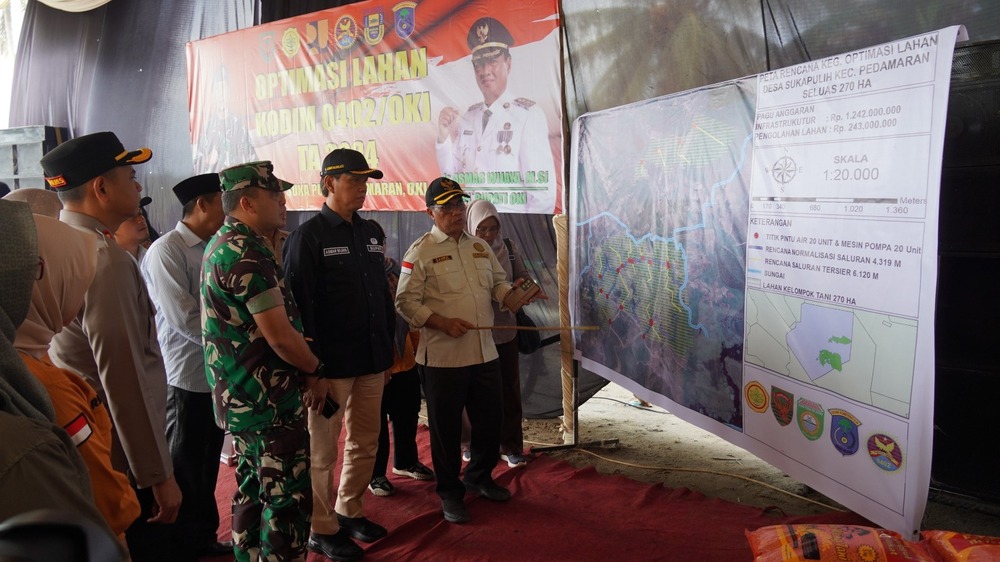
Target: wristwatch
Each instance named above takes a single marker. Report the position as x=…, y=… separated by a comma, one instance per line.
x=318, y=371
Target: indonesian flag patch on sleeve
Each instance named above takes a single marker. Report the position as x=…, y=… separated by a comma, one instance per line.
x=79, y=430
x=406, y=268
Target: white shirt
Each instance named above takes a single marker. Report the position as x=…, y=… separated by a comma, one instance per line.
x=172, y=269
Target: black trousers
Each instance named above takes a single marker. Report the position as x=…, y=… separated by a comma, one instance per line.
x=195, y=445
x=149, y=542
x=401, y=405
x=448, y=390
x=511, y=432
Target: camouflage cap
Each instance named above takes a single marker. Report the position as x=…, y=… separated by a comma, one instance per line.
x=252, y=174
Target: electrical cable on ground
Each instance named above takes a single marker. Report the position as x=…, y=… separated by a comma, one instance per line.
x=672, y=469
x=694, y=470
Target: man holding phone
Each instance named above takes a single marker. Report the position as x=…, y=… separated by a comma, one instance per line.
x=335, y=270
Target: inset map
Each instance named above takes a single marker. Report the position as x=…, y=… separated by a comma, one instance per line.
x=860, y=355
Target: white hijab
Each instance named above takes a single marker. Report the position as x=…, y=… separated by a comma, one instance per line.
x=70, y=264
x=478, y=211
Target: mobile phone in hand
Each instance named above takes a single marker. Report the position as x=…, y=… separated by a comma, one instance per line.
x=330, y=407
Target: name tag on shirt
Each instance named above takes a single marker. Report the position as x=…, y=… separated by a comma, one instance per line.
x=375, y=248
x=336, y=251
x=440, y=259
x=483, y=255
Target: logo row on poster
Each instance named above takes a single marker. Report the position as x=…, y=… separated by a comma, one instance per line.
x=885, y=451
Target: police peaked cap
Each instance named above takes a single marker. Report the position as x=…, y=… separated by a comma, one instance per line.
x=81, y=159
x=488, y=38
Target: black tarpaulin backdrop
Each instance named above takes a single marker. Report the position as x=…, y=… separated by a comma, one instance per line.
x=121, y=67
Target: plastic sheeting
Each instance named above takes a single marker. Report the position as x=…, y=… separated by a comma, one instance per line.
x=121, y=67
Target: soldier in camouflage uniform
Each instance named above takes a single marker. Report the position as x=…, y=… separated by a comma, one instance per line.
x=260, y=368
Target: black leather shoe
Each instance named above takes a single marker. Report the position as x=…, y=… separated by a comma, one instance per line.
x=489, y=490
x=216, y=549
x=337, y=547
x=454, y=511
x=361, y=528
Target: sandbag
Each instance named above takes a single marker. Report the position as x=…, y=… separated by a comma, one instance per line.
x=950, y=546
x=833, y=543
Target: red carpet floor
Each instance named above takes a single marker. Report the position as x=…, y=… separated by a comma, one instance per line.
x=557, y=513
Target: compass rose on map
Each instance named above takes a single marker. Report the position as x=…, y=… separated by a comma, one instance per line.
x=784, y=170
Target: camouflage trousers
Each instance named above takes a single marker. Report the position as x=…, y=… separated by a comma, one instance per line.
x=273, y=500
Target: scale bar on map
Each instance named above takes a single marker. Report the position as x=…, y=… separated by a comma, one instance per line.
x=883, y=200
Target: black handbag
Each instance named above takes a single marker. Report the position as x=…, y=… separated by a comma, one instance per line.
x=528, y=341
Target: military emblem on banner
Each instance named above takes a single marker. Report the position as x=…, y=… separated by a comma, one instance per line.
x=844, y=431
x=783, y=405
x=265, y=46
x=290, y=42
x=317, y=36
x=405, y=14
x=345, y=33
x=885, y=452
x=756, y=397
x=374, y=27
x=810, y=418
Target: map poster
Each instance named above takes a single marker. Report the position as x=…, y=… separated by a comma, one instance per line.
x=760, y=257
x=468, y=89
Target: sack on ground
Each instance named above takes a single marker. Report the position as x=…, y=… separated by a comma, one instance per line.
x=833, y=543
x=528, y=341
x=961, y=547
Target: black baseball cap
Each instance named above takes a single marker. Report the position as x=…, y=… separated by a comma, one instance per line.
x=78, y=160
x=345, y=160
x=442, y=190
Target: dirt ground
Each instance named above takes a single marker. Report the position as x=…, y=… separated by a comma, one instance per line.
x=656, y=446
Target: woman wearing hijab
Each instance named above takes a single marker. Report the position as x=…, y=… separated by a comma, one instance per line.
x=39, y=469
x=67, y=265
x=483, y=221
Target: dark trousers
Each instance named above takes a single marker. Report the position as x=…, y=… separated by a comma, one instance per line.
x=195, y=445
x=149, y=542
x=511, y=432
x=401, y=405
x=448, y=390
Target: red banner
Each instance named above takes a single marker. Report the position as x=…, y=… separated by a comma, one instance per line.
x=469, y=90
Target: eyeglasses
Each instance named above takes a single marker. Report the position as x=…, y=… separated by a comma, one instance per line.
x=457, y=207
x=490, y=230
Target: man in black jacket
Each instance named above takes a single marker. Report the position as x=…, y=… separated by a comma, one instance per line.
x=335, y=269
